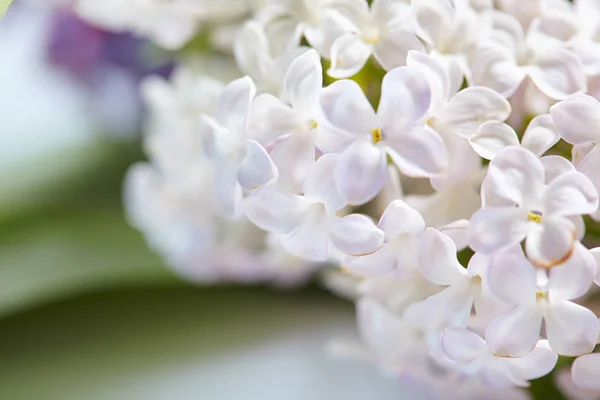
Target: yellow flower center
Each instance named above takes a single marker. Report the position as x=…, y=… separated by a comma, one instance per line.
x=313, y=124
x=376, y=135
x=535, y=216
x=541, y=295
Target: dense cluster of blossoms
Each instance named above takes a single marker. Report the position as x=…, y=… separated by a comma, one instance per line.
x=389, y=137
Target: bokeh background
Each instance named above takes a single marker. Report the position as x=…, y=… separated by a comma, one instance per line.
x=87, y=311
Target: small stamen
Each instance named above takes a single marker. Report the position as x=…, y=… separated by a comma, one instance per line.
x=313, y=124
x=376, y=135
x=535, y=216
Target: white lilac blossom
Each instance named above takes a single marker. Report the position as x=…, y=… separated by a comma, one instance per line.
x=364, y=138
x=509, y=56
x=382, y=30
x=478, y=275
x=520, y=206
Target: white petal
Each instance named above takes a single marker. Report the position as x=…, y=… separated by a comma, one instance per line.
x=572, y=279
x=540, y=135
x=355, y=234
x=348, y=56
x=270, y=118
x=590, y=167
x=437, y=258
x=320, y=184
x=450, y=307
x=393, y=48
x=405, y=98
x=310, y=240
x=251, y=49
x=585, y=371
x=434, y=19
x=491, y=137
x=511, y=278
x=576, y=119
x=274, y=210
x=462, y=345
x=346, y=107
x=493, y=228
x=418, y=152
x=234, y=104
x=555, y=166
x=571, y=193
x=496, y=68
x=515, y=334
x=227, y=190
x=379, y=263
x=516, y=175
x=572, y=329
x=550, y=243
x=303, y=81
x=558, y=73
x=294, y=157
x=435, y=73
x=466, y=110
x=458, y=231
x=361, y=172
x=399, y=218
x=379, y=328
x=596, y=253
x=541, y=361
x=256, y=169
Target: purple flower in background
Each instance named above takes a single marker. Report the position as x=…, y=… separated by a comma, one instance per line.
x=108, y=65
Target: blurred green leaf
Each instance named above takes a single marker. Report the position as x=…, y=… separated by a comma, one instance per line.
x=63, y=254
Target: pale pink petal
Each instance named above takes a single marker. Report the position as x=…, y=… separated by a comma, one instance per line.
x=294, y=157
x=572, y=279
x=392, y=49
x=540, y=362
x=274, y=210
x=495, y=67
x=515, y=334
x=256, y=169
x=585, y=371
x=550, y=243
x=576, y=119
x=462, y=345
x=558, y=73
x=379, y=263
x=399, y=218
x=418, y=152
x=555, y=166
x=458, y=231
x=571, y=193
x=511, y=278
x=310, y=240
x=405, y=98
x=303, y=81
x=465, y=111
x=516, y=174
x=234, y=104
x=493, y=228
x=540, y=135
x=349, y=55
x=437, y=258
x=320, y=184
x=345, y=107
x=572, y=329
x=435, y=73
x=491, y=137
x=270, y=118
x=355, y=234
x=361, y=172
